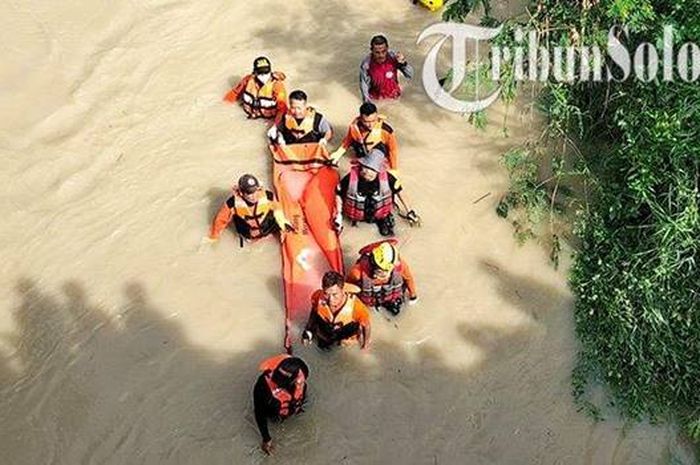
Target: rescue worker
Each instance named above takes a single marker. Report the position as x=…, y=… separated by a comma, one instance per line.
x=383, y=277
x=279, y=392
x=379, y=71
x=368, y=193
x=370, y=131
x=254, y=212
x=337, y=315
x=262, y=93
x=301, y=124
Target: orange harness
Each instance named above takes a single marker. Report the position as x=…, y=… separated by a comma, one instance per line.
x=290, y=403
x=255, y=214
x=261, y=100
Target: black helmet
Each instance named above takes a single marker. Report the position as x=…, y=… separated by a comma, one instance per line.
x=262, y=65
x=248, y=184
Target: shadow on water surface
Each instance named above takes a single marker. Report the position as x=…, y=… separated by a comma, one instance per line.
x=127, y=387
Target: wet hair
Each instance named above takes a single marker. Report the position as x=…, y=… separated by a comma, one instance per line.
x=378, y=40
x=332, y=278
x=368, y=108
x=298, y=95
x=292, y=366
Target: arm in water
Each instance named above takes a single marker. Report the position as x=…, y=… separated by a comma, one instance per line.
x=261, y=403
x=409, y=214
x=233, y=94
x=284, y=224
x=409, y=281
x=222, y=220
x=326, y=129
x=361, y=315
x=344, y=145
x=365, y=80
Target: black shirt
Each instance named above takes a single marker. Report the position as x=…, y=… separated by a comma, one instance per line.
x=266, y=405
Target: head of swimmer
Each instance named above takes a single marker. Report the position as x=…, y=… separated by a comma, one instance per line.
x=332, y=285
x=368, y=115
x=286, y=373
x=297, y=104
x=379, y=48
x=368, y=174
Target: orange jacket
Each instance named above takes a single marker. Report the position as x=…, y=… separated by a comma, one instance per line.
x=355, y=276
x=253, y=215
x=267, y=101
x=353, y=310
x=381, y=136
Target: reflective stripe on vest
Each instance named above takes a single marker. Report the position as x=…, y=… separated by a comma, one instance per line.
x=260, y=100
x=354, y=202
x=303, y=157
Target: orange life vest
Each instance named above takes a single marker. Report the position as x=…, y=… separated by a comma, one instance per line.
x=290, y=403
x=345, y=316
x=306, y=131
x=364, y=141
x=261, y=100
x=342, y=318
x=254, y=215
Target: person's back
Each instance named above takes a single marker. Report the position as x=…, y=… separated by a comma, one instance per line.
x=279, y=392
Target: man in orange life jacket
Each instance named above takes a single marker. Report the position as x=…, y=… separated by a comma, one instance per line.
x=367, y=194
x=279, y=392
x=379, y=77
x=262, y=93
x=370, y=131
x=337, y=315
x=254, y=212
x=383, y=277
x=301, y=124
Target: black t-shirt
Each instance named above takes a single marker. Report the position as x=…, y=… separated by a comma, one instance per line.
x=368, y=188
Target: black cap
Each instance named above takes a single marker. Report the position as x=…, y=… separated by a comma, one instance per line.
x=248, y=184
x=262, y=65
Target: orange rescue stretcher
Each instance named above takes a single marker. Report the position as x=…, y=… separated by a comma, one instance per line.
x=305, y=185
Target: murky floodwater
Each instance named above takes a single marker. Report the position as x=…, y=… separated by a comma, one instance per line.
x=123, y=341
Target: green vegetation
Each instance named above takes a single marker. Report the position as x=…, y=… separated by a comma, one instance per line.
x=629, y=151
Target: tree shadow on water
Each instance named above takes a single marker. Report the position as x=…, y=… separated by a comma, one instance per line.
x=125, y=386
